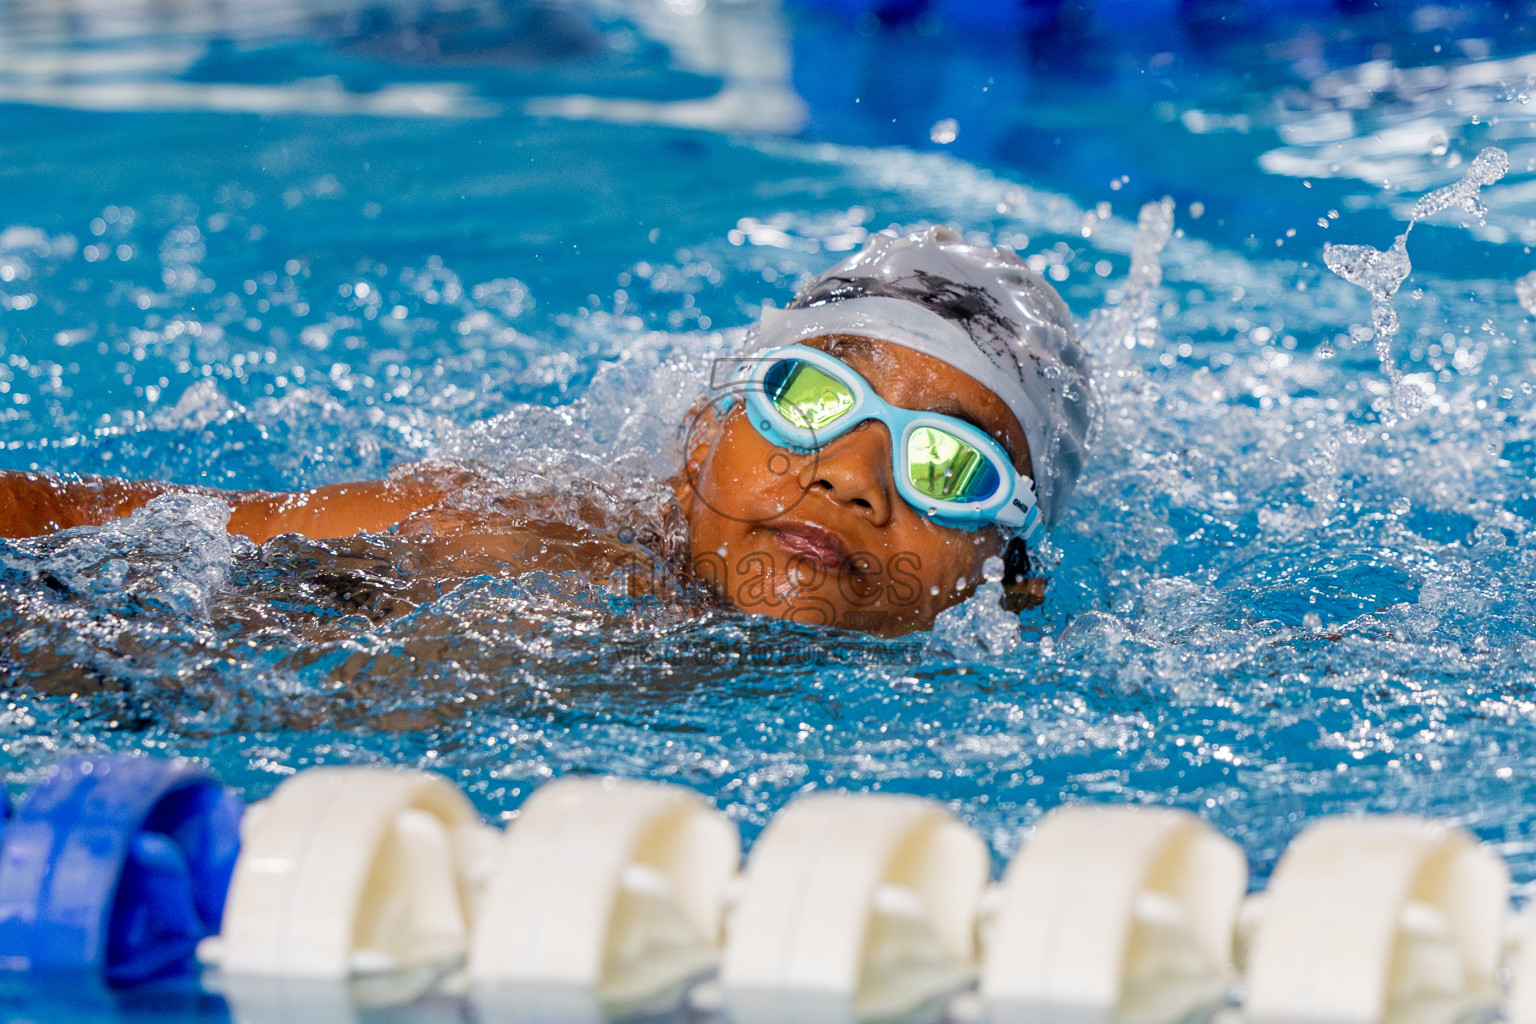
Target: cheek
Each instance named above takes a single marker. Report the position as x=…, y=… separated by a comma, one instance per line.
x=951, y=563
x=729, y=459
x=961, y=565
x=730, y=493
x=948, y=553
x=745, y=475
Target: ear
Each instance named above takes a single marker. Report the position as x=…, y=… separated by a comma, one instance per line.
x=704, y=429
x=700, y=429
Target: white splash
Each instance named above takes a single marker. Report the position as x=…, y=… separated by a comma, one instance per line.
x=1490, y=165
x=1132, y=322
x=1382, y=273
x=174, y=553
x=980, y=627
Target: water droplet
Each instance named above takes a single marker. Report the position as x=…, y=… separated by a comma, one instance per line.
x=1525, y=290
x=944, y=132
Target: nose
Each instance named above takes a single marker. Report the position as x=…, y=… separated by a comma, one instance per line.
x=855, y=470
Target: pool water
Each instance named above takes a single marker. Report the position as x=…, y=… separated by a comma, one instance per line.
x=279, y=245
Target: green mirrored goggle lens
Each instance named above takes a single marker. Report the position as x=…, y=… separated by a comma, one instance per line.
x=804, y=395
x=945, y=468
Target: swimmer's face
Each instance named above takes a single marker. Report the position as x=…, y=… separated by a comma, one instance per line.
x=825, y=537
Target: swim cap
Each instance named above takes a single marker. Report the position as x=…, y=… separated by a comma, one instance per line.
x=980, y=309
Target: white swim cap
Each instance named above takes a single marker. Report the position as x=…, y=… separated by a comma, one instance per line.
x=980, y=309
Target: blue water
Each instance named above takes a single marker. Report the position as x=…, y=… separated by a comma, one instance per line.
x=270, y=247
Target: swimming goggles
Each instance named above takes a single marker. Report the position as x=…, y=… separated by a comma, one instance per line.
x=954, y=473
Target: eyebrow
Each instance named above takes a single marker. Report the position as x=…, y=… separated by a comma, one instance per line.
x=948, y=406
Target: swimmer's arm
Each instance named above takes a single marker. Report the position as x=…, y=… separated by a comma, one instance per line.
x=32, y=504
x=336, y=510
x=35, y=503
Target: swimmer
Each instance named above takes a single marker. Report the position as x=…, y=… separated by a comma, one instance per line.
x=916, y=410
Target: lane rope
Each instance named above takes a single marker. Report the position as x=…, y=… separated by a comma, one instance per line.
x=608, y=896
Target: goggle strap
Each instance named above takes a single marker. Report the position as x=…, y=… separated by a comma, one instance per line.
x=1024, y=492
x=1031, y=524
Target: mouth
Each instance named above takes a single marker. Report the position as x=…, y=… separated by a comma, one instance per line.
x=816, y=545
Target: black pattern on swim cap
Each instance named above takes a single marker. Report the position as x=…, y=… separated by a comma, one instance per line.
x=972, y=308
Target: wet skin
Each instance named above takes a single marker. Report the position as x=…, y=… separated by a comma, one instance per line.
x=825, y=537
x=821, y=538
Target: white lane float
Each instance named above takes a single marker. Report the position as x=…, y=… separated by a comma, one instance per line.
x=1114, y=912
x=1522, y=969
x=605, y=892
x=350, y=871
x=854, y=906
x=1382, y=918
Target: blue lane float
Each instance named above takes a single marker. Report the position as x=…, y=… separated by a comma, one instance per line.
x=116, y=868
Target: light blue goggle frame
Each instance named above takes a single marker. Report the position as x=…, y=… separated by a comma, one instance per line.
x=1012, y=504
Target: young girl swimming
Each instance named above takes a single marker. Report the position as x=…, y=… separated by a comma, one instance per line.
x=917, y=409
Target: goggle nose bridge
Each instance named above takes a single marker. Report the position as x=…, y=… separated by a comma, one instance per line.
x=919, y=472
